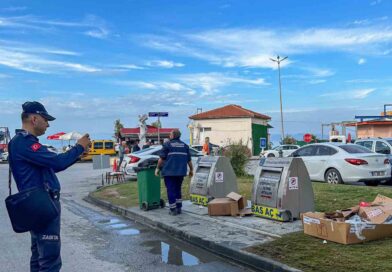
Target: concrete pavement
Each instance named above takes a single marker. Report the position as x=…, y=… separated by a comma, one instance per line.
x=226, y=236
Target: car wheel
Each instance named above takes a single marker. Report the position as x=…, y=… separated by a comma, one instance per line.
x=332, y=176
x=372, y=182
x=270, y=155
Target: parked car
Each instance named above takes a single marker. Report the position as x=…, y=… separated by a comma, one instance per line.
x=200, y=147
x=137, y=158
x=274, y=152
x=4, y=156
x=338, y=163
x=378, y=145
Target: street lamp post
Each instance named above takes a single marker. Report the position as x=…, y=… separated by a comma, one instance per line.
x=279, y=60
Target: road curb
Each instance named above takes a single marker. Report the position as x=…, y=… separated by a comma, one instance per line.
x=248, y=259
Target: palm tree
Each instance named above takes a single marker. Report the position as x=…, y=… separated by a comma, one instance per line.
x=117, y=128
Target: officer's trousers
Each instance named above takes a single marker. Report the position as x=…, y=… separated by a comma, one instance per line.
x=173, y=187
x=45, y=247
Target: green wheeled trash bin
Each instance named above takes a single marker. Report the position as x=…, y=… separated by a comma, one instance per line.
x=149, y=187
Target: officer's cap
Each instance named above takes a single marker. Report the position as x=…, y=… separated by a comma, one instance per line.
x=37, y=108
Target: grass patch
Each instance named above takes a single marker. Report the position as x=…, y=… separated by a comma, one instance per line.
x=296, y=249
x=126, y=194
x=310, y=254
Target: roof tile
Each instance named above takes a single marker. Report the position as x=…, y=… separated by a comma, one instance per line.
x=229, y=111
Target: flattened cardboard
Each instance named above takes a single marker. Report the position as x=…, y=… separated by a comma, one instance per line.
x=340, y=232
x=380, y=199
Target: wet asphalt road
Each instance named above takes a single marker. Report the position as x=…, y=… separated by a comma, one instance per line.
x=96, y=240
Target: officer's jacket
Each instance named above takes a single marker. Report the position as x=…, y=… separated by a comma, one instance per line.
x=176, y=156
x=33, y=165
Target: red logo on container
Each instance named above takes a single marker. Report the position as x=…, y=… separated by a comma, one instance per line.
x=35, y=147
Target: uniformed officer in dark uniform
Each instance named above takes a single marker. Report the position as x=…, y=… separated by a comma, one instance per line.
x=174, y=158
x=32, y=165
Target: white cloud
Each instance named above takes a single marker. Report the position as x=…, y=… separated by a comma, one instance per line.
x=352, y=94
x=99, y=33
x=360, y=80
x=210, y=83
x=254, y=47
x=91, y=25
x=361, y=61
x=33, y=48
x=318, y=72
x=317, y=81
x=164, y=64
x=203, y=84
x=40, y=64
x=126, y=67
x=136, y=84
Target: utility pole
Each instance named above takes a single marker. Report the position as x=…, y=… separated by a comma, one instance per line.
x=279, y=60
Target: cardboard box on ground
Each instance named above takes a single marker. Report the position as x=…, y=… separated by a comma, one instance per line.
x=233, y=204
x=354, y=225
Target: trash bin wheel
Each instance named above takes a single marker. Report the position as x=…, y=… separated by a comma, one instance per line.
x=162, y=203
x=145, y=206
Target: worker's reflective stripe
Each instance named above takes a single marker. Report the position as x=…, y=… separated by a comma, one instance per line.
x=177, y=153
x=267, y=212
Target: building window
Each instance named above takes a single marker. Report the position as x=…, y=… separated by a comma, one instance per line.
x=206, y=129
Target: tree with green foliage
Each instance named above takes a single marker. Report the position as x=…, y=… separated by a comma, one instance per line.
x=117, y=128
x=289, y=140
x=239, y=155
x=157, y=124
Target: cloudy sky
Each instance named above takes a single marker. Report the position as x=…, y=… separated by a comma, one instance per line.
x=91, y=62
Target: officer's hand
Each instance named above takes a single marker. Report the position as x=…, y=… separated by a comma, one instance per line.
x=157, y=172
x=84, y=141
x=191, y=173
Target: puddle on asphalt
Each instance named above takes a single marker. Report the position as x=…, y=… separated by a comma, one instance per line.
x=171, y=254
x=128, y=232
x=109, y=221
x=120, y=227
x=117, y=226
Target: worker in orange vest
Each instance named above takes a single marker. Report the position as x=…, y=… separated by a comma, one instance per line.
x=207, y=147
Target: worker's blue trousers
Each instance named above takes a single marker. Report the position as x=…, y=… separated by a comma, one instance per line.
x=45, y=247
x=173, y=187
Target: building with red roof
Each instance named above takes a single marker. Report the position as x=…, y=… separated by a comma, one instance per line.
x=230, y=124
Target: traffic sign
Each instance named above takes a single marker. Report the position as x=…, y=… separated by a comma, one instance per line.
x=308, y=138
x=263, y=142
x=158, y=114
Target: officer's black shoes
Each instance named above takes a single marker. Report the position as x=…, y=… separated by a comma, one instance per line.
x=179, y=211
x=173, y=212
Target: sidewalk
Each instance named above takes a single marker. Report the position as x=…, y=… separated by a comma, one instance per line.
x=222, y=235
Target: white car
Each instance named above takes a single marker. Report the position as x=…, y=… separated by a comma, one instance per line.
x=52, y=149
x=274, y=152
x=200, y=147
x=4, y=156
x=135, y=159
x=339, y=163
